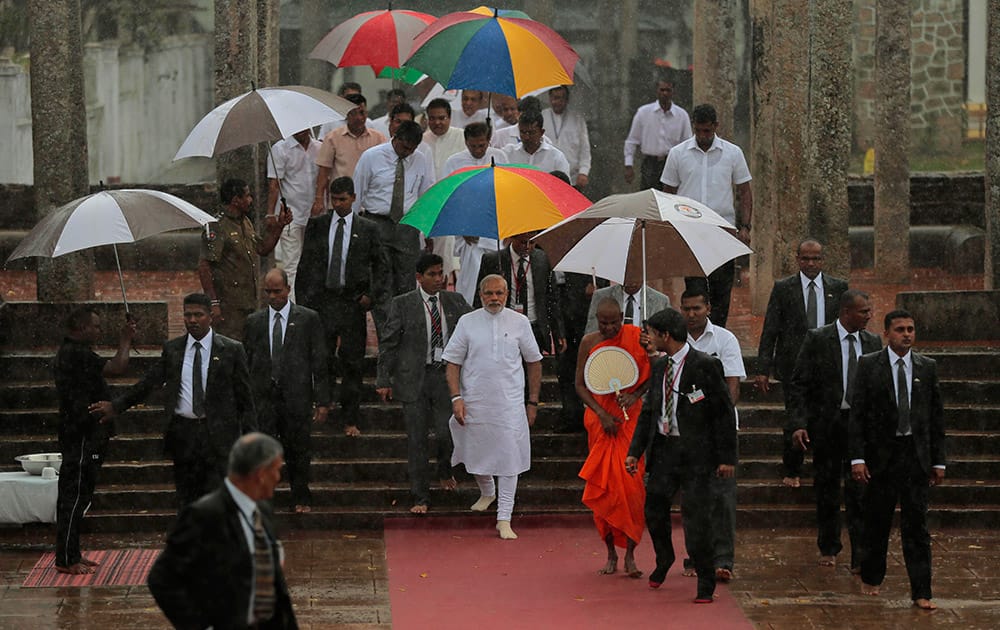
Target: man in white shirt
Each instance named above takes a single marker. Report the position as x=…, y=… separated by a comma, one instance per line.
x=444, y=141
x=706, y=168
x=388, y=180
x=478, y=151
x=487, y=359
x=291, y=172
x=505, y=108
x=393, y=97
x=473, y=109
x=656, y=128
x=717, y=342
x=532, y=150
x=567, y=131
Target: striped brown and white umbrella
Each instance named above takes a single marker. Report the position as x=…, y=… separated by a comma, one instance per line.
x=109, y=217
x=262, y=115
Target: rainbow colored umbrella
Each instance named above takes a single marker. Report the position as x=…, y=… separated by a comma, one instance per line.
x=493, y=53
x=494, y=201
x=405, y=75
x=380, y=39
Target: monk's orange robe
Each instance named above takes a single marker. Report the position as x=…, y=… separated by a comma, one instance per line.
x=616, y=497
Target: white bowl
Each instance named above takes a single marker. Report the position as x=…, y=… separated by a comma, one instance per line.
x=35, y=462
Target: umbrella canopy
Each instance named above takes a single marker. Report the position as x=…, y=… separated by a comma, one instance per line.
x=108, y=217
x=493, y=53
x=494, y=202
x=380, y=39
x=648, y=232
x=263, y=115
x=403, y=74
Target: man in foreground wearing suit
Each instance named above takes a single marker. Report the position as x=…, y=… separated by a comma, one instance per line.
x=897, y=447
x=629, y=298
x=687, y=432
x=286, y=351
x=343, y=274
x=533, y=292
x=411, y=370
x=798, y=303
x=221, y=567
x=208, y=399
x=820, y=390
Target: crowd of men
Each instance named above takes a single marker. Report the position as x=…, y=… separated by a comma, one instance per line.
x=466, y=364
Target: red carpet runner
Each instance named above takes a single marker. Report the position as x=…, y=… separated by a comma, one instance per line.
x=118, y=567
x=456, y=573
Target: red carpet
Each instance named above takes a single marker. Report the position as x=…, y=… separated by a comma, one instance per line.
x=118, y=567
x=456, y=573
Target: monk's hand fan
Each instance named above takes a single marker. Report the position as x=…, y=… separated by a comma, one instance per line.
x=610, y=370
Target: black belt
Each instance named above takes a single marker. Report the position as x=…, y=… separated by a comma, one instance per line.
x=654, y=158
x=178, y=416
x=379, y=217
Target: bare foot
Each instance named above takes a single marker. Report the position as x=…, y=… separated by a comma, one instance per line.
x=482, y=504
x=690, y=573
x=352, y=430
x=506, y=533
x=723, y=574
x=610, y=567
x=630, y=569
x=449, y=484
x=791, y=482
x=302, y=509
x=88, y=562
x=828, y=561
x=868, y=589
x=855, y=570
x=75, y=569
x=924, y=604
x=418, y=509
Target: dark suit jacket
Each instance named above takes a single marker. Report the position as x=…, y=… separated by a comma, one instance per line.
x=785, y=323
x=816, y=387
x=543, y=281
x=303, y=374
x=229, y=406
x=203, y=577
x=367, y=269
x=874, y=416
x=707, y=428
x=403, y=348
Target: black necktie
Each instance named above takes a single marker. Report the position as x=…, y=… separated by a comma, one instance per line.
x=812, y=312
x=437, y=338
x=630, y=310
x=263, y=561
x=852, y=365
x=902, y=399
x=277, y=340
x=398, y=191
x=337, y=258
x=197, y=386
x=522, y=283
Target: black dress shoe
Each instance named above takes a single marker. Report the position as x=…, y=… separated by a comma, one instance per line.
x=656, y=577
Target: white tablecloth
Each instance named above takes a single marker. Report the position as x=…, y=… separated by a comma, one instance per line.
x=27, y=498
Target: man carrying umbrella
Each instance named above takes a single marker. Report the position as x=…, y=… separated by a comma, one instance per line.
x=229, y=266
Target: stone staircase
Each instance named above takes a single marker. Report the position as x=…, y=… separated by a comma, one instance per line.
x=359, y=481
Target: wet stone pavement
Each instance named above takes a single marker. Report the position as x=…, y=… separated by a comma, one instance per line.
x=339, y=581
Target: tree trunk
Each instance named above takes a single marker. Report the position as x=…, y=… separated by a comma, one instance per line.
x=892, y=141
x=715, y=59
x=235, y=73
x=992, y=263
x=315, y=25
x=59, y=137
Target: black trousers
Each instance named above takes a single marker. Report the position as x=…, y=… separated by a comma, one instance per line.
x=572, y=407
x=719, y=285
x=668, y=471
x=82, y=457
x=650, y=171
x=346, y=328
x=199, y=467
x=903, y=481
x=832, y=471
x=293, y=430
x=430, y=412
x=792, y=457
x=402, y=244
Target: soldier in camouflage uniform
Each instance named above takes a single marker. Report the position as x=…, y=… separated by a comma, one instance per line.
x=230, y=250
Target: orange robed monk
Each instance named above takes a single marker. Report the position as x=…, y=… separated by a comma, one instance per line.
x=616, y=497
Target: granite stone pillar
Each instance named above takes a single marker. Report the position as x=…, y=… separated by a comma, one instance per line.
x=59, y=137
x=715, y=59
x=992, y=263
x=236, y=71
x=315, y=25
x=892, y=141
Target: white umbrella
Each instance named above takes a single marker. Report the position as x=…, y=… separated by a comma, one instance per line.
x=609, y=239
x=107, y=218
x=264, y=115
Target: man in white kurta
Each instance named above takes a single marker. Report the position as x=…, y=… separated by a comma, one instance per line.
x=487, y=357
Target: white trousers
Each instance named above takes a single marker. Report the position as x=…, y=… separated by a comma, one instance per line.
x=507, y=486
x=288, y=251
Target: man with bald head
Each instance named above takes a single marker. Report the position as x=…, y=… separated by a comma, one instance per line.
x=615, y=497
x=287, y=357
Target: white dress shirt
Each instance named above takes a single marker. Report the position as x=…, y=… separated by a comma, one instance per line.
x=247, y=507
x=460, y=120
x=820, y=297
x=375, y=175
x=546, y=157
x=185, y=398
x=295, y=167
x=515, y=260
x=348, y=223
x=568, y=132
x=285, y=310
x=707, y=176
x=655, y=131
x=724, y=346
x=464, y=159
x=671, y=389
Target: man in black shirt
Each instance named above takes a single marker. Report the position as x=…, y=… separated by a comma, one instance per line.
x=79, y=375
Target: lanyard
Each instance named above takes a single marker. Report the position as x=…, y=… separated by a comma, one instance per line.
x=673, y=386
